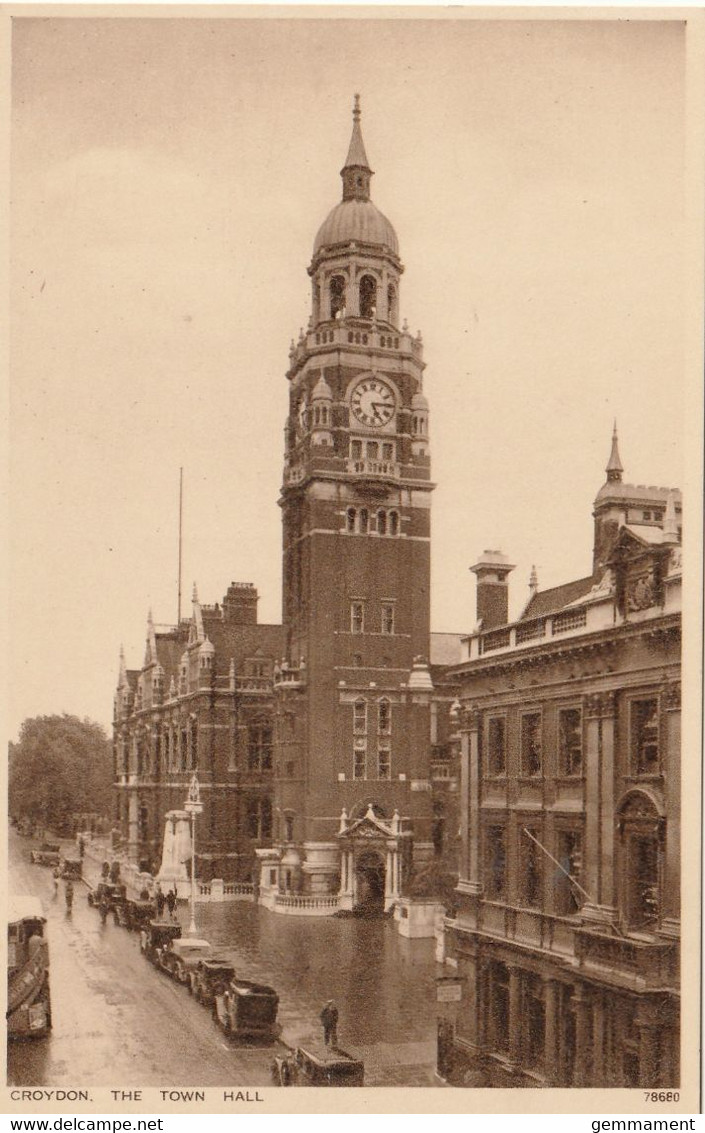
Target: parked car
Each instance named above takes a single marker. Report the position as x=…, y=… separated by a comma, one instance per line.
x=134, y=915
x=71, y=868
x=48, y=853
x=210, y=978
x=317, y=1066
x=182, y=957
x=156, y=938
x=107, y=893
x=248, y=1010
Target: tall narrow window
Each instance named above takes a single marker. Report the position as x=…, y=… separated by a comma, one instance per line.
x=372, y=450
x=368, y=297
x=496, y=745
x=364, y=521
x=393, y=523
x=645, y=736
x=381, y=522
x=384, y=760
x=530, y=857
x=360, y=717
x=535, y=1016
x=360, y=759
x=357, y=617
x=568, y=896
x=384, y=717
x=350, y=517
x=495, y=863
x=387, y=617
x=356, y=450
x=387, y=451
x=337, y=296
x=531, y=744
x=570, y=741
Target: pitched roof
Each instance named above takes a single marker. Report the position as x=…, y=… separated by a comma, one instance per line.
x=550, y=601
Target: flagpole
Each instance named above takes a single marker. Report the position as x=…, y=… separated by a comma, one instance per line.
x=556, y=862
x=181, y=512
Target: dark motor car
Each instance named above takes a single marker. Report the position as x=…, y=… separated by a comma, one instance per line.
x=248, y=1010
x=210, y=978
x=48, y=853
x=318, y=1066
x=134, y=915
x=156, y=938
x=107, y=893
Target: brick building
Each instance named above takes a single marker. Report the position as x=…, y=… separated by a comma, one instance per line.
x=351, y=798
x=566, y=933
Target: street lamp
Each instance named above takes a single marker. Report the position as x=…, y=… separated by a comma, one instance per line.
x=194, y=806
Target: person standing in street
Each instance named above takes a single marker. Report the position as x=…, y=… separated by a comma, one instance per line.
x=160, y=900
x=329, y=1019
x=171, y=903
x=68, y=894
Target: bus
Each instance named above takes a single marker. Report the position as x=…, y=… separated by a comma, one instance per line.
x=28, y=996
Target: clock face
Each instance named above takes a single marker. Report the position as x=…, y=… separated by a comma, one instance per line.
x=373, y=402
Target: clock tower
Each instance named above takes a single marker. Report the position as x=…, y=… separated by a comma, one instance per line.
x=352, y=804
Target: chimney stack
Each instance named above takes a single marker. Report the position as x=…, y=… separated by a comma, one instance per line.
x=492, y=570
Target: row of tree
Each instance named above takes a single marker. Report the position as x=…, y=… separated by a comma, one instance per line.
x=59, y=767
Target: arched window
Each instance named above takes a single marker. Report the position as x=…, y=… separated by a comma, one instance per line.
x=392, y=304
x=364, y=521
x=381, y=522
x=317, y=415
x=368, y=297
x=350, y=516
x=337, y=296
x=393, y=523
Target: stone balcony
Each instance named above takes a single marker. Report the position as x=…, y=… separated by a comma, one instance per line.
x=352, y=333
x=647, y=964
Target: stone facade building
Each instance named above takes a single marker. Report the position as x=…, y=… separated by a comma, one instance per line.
x=566, y=927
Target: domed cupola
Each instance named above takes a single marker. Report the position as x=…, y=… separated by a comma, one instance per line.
x=356, y=267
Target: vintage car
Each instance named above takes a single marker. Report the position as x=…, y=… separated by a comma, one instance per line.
x=181, y=958
x=210, y=978
x=317, y=1066
x=71, y=868
x=156, y=938
x=48, y=853
x=247, y=1010
x=28, y=997
x=105, y=893
x=134, y=915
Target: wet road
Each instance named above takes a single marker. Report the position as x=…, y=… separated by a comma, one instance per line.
x=103, y=988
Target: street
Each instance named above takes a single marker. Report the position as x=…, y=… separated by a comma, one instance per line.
x=118, y=1022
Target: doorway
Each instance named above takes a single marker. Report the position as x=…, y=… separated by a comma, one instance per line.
x=369, y=882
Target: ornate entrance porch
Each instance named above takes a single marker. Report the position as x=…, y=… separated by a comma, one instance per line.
x=371, y=854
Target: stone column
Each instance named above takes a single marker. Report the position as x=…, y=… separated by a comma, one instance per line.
x=464, y=864
x=550, y=998
x=583, y=1037
x=515, y=1021
x=649, y=1075
x=598, y=852
x=671, y=765
x=474, y=800
x=599, y=1073
x=591, y=849
x=606, y=895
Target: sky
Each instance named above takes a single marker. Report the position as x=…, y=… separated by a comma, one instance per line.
x=168, y=178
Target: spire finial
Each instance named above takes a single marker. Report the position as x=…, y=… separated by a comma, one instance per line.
x=614, y=465
x=356, y=172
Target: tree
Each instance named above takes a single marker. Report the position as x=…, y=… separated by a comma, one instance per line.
x=60, y=766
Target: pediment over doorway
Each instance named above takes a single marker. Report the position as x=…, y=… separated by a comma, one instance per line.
x=370, y=826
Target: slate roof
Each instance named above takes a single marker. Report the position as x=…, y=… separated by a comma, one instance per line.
x=551, y=601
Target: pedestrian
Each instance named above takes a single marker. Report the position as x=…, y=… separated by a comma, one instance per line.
x=161, y=902
x=171, y=903
x=55, y=875
x=68, y=894
x=81, y=846
x=329, y=1019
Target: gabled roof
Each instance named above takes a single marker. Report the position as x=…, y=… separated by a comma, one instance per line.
x=551, y=601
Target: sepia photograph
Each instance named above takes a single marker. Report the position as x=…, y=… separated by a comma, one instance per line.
x=355, y=505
